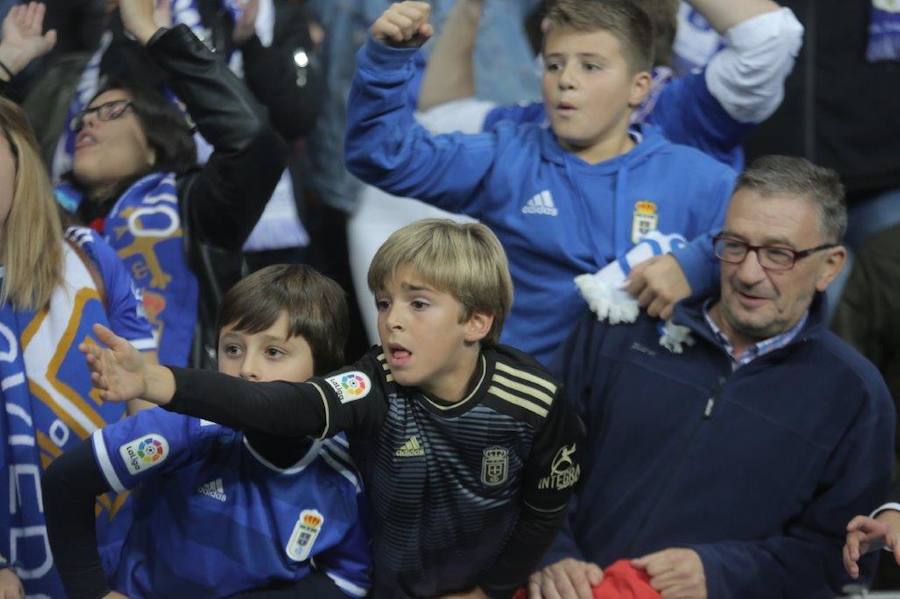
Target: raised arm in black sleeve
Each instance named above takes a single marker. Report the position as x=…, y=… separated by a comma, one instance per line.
x=228, y=195
x=549, y=481
x=70, y=487
x=286, y=76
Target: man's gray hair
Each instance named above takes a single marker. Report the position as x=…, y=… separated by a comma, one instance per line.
x=791, y=175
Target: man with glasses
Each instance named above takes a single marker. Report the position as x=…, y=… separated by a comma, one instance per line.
x=731, y=469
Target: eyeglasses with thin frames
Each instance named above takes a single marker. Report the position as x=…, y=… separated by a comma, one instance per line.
x=734, y=251
x=108, y=111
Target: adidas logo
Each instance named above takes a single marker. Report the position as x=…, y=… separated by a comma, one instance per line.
x=410, y=449
x=214, y=489
x=541, y=203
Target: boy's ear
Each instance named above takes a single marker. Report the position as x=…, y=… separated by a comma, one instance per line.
x=640, y=87
x=478, y=326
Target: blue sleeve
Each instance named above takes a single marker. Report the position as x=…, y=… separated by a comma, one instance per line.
x=349, y=563
x=807, y=557
x=696, y=258
x=124, y=305
x=150, y=443
x=386, y=148
x=518, y=113
x=688, y=114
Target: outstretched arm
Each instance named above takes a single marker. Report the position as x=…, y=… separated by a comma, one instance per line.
x=450, y=74
x=121, y=373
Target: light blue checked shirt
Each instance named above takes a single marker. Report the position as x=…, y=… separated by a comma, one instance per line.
x=758, y=349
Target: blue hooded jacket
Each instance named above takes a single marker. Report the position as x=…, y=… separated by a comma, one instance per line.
x=556, y=215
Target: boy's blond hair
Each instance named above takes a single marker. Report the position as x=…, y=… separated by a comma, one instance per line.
x=624, y=19
x=464, y=260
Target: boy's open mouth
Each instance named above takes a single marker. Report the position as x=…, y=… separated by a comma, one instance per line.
x=398, y=353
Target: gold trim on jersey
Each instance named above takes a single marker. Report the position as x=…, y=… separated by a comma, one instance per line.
x=327, y=414
x=522, y=388
x=519, y=401
x=527, y=376
x=387, y=371
x=474, y=392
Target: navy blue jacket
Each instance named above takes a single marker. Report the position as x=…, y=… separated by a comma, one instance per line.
x=758, y=470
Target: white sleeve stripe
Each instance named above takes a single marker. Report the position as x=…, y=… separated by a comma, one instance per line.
x=338, y=451
x=105, y=464
x=349, y=475
x=347, y=586
x=143, y=344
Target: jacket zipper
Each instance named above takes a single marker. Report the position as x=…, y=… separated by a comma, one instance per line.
x=707, y=414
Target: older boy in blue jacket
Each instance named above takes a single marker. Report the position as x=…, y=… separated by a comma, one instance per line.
x=565, y=200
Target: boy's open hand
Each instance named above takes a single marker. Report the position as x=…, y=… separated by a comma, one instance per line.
x=117, y=370
x=404, y=24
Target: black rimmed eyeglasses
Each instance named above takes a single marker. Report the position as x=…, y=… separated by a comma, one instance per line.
x=108, y=111
x=734, y=251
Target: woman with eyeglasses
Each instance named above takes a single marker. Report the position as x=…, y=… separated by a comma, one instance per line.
x=135, y=177
x=53, y=287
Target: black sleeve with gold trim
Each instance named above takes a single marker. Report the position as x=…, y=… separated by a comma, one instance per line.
x=550, y=474
x=355, y=397
x=321, y=407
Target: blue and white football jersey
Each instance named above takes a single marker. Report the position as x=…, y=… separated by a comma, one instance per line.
x=213, y=517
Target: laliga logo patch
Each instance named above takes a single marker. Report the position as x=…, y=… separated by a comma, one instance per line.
x=145, y=452
x=350, y=386
x=564, y=472
x=645, y=219
x=306, y=530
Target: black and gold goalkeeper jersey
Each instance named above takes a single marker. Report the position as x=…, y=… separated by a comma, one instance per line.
x=462, y=494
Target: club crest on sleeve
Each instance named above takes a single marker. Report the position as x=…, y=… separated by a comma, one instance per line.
x=306, y=530
x=494, y=466
x=144, y=452
x=350, y=386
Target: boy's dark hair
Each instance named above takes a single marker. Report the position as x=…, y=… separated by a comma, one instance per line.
x=165, y=126
x=316, y=309
x=624, y=19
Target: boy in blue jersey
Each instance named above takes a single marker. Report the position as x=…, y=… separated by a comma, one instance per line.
x=468, y=451
x=218, y=511
x=566, y=200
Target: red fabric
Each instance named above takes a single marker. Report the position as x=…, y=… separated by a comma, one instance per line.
x=620, y=581
x=98, y=224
